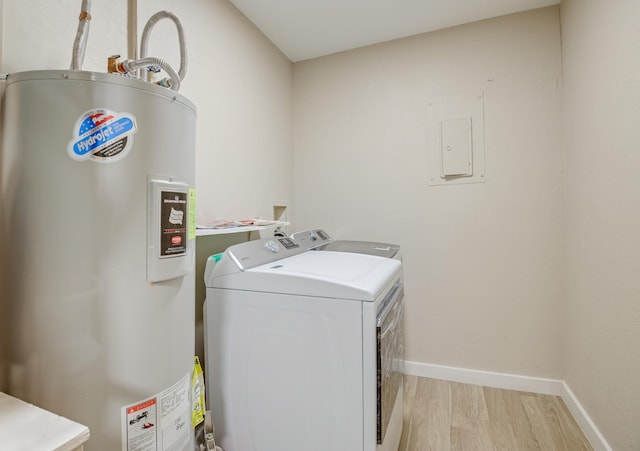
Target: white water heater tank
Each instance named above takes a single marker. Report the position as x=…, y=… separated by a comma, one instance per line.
x=97, y=177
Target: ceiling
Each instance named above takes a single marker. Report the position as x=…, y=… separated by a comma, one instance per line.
x=304, y=29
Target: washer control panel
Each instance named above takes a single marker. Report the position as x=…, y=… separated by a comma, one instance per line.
x=310, y=239
x=260, y=252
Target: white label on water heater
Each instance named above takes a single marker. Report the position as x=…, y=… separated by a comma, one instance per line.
x=161, y=422
x=170, y=247
x=102, y=135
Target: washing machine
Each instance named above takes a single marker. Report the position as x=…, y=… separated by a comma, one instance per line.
x=318, y=239
x=296, y=346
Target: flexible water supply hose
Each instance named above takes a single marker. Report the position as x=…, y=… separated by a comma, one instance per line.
x=82, y=35
x=144, y=42
x=132, y=66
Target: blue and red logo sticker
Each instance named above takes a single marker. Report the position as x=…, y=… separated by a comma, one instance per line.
x=102, y=135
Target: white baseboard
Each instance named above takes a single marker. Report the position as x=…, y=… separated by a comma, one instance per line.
x=593, y=434
x=486, y=378
x=506, y=381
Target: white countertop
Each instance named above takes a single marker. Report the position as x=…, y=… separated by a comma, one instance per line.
x=25, y=427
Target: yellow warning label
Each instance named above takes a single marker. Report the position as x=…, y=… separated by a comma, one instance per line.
x=192, y=214
x=197, y=395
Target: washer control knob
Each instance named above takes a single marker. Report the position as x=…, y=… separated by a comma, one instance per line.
x=271, y=246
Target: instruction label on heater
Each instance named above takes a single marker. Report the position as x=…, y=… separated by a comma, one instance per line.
x=141, y=423
x=102, y=135
x=161, y=422
x=173, y=223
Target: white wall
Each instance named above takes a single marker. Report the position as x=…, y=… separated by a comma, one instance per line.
x=240, y=83
x=601, y=67
x=482, y=261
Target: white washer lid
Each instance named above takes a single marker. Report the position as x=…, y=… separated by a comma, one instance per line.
x=317, y=273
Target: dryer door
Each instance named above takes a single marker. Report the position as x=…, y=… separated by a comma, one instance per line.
x=390, y=356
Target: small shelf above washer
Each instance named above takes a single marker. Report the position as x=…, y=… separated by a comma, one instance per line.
x=204, y=231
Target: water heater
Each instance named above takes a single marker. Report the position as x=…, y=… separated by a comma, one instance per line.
x=97, y=178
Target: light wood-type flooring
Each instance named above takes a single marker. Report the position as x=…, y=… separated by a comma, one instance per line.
x=449, y=416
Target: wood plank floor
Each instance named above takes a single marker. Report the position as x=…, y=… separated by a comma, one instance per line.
x=449, y=416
